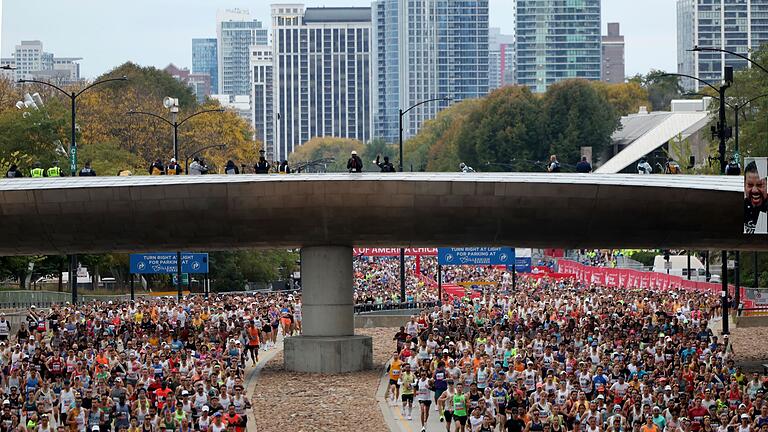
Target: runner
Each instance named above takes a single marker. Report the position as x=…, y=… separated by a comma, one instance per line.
x=407, y=382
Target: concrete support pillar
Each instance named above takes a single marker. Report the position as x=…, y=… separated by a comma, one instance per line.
x=328, y=343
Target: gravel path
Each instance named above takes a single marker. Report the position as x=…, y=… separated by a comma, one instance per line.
x=749, y=344
x=291, y=401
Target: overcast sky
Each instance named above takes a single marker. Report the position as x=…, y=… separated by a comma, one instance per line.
x=106, y=33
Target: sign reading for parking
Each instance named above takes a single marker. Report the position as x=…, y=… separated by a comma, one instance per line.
x=476, y=256
x=165, y=263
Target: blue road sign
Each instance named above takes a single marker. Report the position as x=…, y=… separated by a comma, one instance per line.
x=165, y=263
x=523, y=264
x=476, y=256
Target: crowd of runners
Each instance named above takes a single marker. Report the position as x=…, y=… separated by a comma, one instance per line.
x=554, y=356
x=146, y=366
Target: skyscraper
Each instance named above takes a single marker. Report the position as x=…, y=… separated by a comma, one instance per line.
x=261, y=97
x=205, y=60
x=322, y=74
x=236, y=31
x=501, y=59
x=557, y=40
x=426, y=49
x=613, y=55
x=734, y=25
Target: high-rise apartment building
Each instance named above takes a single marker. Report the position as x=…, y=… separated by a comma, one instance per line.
x=613, y=55
x=501, y=59
x=322, y=74
x=205, y=60
x=734, y=25
x=557, y=40
x=426, y=49
x=236, y=32
x=32, y=62
x=261, y=97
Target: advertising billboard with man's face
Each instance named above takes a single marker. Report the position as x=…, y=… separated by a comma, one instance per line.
x=755, y=196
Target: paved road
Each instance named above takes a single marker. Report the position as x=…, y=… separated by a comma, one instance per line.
x=252, y=372
x=398, y=423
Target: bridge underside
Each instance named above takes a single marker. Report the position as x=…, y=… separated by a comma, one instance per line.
x=131, y=214
x=327, y=214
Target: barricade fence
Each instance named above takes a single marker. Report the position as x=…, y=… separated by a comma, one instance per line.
x=629, y=278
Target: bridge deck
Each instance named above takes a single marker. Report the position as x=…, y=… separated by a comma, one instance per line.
x=143, y=213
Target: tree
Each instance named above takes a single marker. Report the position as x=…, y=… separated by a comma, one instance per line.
x=103, y=120
x=576, y=115
x=661, y=89
x=418, y=151
x=626, y=98
x=327, y=147
x=503, y=128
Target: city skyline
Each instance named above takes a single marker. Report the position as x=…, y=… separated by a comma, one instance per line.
x=109, y=35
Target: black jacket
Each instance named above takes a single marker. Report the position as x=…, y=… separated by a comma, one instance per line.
x=355, y=164
x=583, y=167
x=261, y=167
x=386, y=166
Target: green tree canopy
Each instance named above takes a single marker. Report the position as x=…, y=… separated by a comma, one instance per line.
x=328, y=147
x=575, y=115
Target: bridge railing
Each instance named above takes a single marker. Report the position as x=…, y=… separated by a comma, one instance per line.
x=375, y=307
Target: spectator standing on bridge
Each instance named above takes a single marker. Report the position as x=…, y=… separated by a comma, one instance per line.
x=283, y=167
x=583, y=166
x=262, y=166
x=87, y=171
x=13, y=172
x=386, y=166
x=671, y=167
x=231, y=168
x=466, y=168
x=643, y=167
x=173, y=168
x=37, y=171
x=554, y=164
x=197, y=167
x=355, y=164
x=733, y=167
x=157, y=168
x=54, y=170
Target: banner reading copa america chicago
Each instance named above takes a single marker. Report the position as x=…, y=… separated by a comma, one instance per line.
x=755, y=196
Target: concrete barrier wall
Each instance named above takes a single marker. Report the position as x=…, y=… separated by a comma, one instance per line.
x=752, y=321
x=376, y=320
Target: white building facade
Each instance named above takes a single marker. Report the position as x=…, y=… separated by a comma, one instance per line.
x=261, y=98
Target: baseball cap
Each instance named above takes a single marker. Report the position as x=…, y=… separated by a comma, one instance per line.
x=95, y=428
x=206, y=408
x=745, y=416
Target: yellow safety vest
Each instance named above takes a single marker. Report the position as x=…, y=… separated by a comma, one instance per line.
x=37, y=172
x=54, y=172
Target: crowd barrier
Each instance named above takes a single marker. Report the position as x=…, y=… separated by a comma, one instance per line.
x=629, y=278
x=45, y=299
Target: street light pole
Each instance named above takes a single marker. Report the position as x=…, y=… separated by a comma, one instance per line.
x=73, y=156
x=722, y=128
x=400, y=167
x=172, y=105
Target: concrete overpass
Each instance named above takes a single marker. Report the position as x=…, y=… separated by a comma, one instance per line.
x=326, y=214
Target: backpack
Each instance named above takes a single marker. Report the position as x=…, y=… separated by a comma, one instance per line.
x=555, y=166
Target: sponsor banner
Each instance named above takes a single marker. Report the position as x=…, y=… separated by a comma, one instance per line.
x=627, y=278
x=476, y=256
x=389, y=252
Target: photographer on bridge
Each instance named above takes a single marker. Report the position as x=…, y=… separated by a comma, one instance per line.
x=386, y=166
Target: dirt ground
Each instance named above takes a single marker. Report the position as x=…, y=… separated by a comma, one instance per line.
x=750, y=344
x=290, y=401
